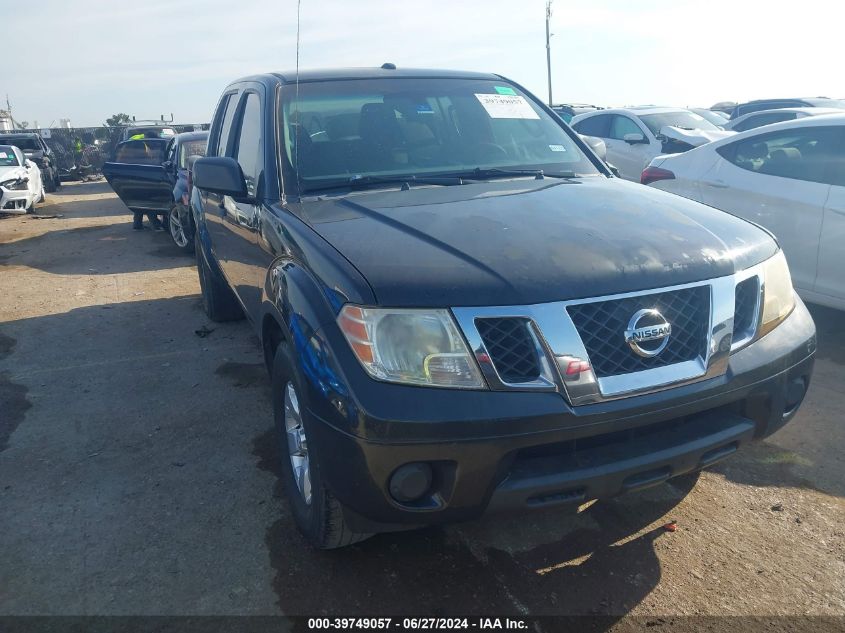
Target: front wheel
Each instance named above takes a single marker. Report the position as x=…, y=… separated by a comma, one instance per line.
x=180, y=229
x=318, y=515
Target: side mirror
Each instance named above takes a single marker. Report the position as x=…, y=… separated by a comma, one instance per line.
x=596, y=144
x=613, y=170
x=635, y=138
x=168, y=164
x=221, y=175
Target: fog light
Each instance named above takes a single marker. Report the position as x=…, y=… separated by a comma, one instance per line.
x=410, y=482
x=795, y=392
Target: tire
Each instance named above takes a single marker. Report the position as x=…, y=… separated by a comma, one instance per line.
x=319, y=517
x=218, y=300
x=182, y=236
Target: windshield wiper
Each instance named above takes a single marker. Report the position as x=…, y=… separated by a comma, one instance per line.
x=359, y=180
x=495, y=172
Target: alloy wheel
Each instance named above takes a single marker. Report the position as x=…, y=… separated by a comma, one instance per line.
x=297, y=443
x=177, y=231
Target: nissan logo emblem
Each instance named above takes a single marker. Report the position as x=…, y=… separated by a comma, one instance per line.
x=648, y=333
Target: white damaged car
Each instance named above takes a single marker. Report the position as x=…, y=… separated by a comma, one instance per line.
x=634, y=136
x=20, y=181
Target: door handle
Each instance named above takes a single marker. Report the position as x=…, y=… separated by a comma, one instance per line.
x=716, y=184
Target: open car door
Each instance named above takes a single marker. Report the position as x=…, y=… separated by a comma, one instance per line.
x=139, y=177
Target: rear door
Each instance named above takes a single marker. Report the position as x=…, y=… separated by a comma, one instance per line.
x=138, y=176
x=830, y=279
x=777, y=180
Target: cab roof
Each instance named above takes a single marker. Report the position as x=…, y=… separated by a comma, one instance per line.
x=336, y=74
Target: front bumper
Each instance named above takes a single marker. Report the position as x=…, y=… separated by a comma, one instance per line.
x=514, y=451
x=15, y=201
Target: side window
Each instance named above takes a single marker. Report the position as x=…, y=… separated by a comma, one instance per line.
x=622, y=125
x=249, y=142
x=598, y=125
x=764, y=119
x=813, y=154
x=228, y=110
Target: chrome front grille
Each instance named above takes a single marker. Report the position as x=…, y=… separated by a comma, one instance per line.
x=579, y=347
x=601, y=325
x=511, y=348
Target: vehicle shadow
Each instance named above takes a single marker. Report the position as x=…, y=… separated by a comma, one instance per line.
x=562, y=563
x=97, y=250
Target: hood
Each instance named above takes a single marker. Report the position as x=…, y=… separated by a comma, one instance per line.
x=694, y=137
x=530, y=241
x=7, y=173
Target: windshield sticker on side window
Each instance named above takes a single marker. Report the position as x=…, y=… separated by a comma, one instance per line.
x=557, y=148
x=424, y=108
x=504, y=90
x=507, y=107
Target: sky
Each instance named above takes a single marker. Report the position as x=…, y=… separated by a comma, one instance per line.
x=88, y=59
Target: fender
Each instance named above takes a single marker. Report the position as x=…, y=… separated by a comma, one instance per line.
x=203, y=242
x=302, y=308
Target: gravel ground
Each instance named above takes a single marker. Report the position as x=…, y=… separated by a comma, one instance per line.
x=137, y=473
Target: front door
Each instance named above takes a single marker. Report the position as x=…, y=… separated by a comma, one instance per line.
x=630, y=158
x=138, y=176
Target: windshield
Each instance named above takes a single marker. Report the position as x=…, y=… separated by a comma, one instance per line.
x=191, y=148
x=715, y=118
x=23, y=143
x=683, y=119
x=422, y=127
x=8, y=158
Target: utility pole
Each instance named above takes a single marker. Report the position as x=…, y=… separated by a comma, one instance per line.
x=549, y=48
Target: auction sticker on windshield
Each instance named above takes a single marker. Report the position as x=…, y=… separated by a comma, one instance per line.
x=507, y=106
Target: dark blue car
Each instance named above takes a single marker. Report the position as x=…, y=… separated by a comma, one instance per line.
x=464, y=312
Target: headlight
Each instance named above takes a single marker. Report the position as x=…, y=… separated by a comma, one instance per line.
x=15, y=184
x=418, y=347
x=778, y=295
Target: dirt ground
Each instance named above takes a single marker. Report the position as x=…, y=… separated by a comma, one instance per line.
x=137, y=473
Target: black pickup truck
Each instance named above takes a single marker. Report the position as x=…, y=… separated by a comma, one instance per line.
x=463, y=311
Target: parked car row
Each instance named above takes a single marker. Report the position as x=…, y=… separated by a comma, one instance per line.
x=634, y=136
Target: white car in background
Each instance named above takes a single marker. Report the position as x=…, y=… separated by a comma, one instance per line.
x=767, y=117
x=634, y=136
x=787, y=177
x=20, y=181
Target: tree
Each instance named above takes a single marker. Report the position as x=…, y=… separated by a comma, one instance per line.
x=117, y=119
